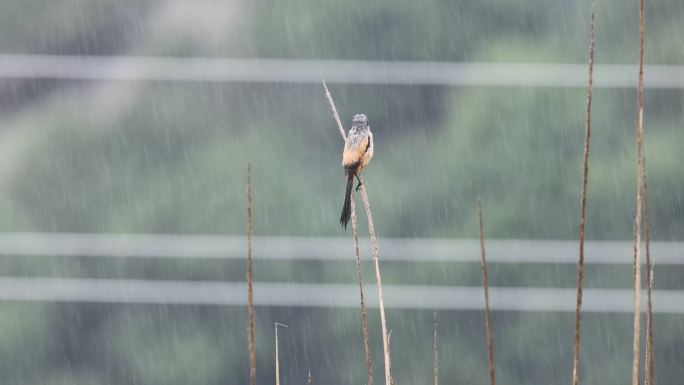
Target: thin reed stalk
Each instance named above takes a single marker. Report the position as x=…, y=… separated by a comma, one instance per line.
x=251, y=328
x=639, y=200
x=378, y=278
x=374, y=250
x=364, y=319
x=649, y=370
x=435, y=348
x=389, y=345
x=334, y=111
x=583, y=205
x=485, y=286
x=277, y=353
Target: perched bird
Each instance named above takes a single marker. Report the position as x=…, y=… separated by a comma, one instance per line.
x=358, y=151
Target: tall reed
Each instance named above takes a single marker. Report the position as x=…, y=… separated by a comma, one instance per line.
x=435, y=349
x=374, y=250
x=649, y=369
x=583, y=204
x=251, y=333
x=639, y=199
x=485, y=287
x=364, y=319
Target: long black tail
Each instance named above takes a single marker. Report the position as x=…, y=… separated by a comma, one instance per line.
x=346, y=207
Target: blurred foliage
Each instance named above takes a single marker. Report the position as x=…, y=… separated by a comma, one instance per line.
x=171, y=157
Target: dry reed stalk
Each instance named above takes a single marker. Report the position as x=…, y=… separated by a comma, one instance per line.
x=649, y=374
x=364, y=319
x=485, y=286
x=583, y=206
x=639, y=200
x=374, y=251
x=378, y=278
x=389, y=345
x=277, y=356
x=251, y=328
x=435, y=348
x=334, y=110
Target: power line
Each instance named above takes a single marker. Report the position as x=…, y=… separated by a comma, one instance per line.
x=204, y=69
x=321, y=248
x=322, y=295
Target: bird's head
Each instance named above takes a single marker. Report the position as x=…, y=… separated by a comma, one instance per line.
x=360, y=122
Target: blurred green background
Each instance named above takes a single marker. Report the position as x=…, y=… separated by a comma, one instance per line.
x=170, y=157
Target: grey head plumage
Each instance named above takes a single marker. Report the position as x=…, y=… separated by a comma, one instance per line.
x=360, y=120
x=359, y=123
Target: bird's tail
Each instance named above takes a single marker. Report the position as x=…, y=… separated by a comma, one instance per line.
x=346, y=207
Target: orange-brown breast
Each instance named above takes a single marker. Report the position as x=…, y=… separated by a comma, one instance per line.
x=351, y=156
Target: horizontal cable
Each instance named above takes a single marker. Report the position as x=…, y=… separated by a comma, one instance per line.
x=204, y=69
x=324, y=248
x=324, y=295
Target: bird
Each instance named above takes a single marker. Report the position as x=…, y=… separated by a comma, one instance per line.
x=357, y=153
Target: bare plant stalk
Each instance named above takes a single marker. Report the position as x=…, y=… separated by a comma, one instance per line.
x=650, y=368
x=364, y=319
x=277, y=357
x=639, y=201
x=378, y=278
x=374, y=252
x=334, y=110
x=649, y=375
x=583, y=206
x=485, y=286
x=389, y=345
x=251, y=328
x=435, y=348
